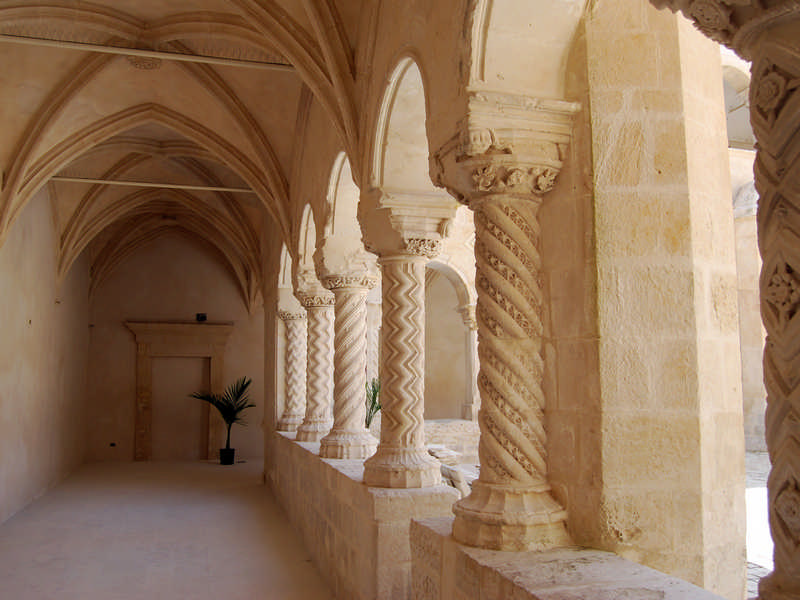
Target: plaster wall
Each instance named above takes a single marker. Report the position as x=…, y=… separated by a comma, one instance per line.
x=672, y=451
x=43, y=358
x=169, y=279
x=445, y=360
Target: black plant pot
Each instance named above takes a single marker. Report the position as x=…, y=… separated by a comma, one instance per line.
x=226, y=456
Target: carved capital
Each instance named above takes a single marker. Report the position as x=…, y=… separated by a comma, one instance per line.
x=287, y=315
x=507, y=144
x=350, y=280
x=310, y=300
x=429, y=248
x=735, y=23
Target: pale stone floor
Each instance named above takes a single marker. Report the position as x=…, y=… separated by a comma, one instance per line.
x=161, y=531
x=124, y=531
x=759, y=542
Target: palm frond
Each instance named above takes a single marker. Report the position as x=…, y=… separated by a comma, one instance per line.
x=231, y=403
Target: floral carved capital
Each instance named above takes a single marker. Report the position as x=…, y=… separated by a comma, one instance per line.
x=428, y=248
x=287, y=315
x=507, y=144
x=350, y=280
x=735, y=23
x=315, y=300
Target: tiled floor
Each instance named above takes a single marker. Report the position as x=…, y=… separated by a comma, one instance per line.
x=183, y=531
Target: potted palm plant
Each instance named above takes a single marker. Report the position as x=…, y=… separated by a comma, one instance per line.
x=230, y=405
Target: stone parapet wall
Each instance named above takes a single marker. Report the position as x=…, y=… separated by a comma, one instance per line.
x=357, y=536
x=445, y=570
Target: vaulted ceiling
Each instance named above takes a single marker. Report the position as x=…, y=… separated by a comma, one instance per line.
x=142, y=116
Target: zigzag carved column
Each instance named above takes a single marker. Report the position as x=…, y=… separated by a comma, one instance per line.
x=319, y=374
x=349, y=437
x=402, y=459
x=295, y=363
x=506, y=156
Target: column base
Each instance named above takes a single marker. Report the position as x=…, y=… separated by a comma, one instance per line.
x=289, y=422
x=502, y=517
x=402, y=468
x=770, y=588
x=313, y=431
x=347, y=444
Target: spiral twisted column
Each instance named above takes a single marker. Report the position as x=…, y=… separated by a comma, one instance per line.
x=295, y=369
x=402, y=459
x=319, y=374
x=349, y=438
x=510, y=506
x=506, y=155
x=775, y=114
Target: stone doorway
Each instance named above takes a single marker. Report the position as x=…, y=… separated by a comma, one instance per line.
x=180, y=423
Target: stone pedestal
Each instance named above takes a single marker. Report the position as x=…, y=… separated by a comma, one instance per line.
x=295, y=366
x=349, y=438
x=402, y=460
x=319, y=374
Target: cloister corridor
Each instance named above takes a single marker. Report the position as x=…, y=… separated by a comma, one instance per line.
x=156, y=530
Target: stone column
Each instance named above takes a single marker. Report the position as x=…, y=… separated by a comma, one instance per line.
x=768, y=34
x=472, y=399
x=373, y=340
x=319, y=374
x=349, y=438
x=506, y=155
x=402, y=459
x=775, y=115
x=295, y=368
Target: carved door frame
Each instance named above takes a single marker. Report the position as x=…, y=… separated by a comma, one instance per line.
x=174, y=339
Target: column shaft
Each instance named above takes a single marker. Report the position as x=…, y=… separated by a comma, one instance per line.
x=510, y=506
x=775, y=115
x=319, y=374
x=402, y=459
x=295, y=369
x=349, y=437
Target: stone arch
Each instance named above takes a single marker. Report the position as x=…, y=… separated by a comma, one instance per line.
x=400, y=150
x=499, y=30
x=736, y=86
x=451, y=332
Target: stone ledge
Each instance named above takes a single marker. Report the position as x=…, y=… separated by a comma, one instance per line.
x=358, y=536
x=445, y=570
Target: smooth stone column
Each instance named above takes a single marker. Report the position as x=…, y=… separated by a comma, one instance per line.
x=510, y=506
x=402, y=460
x=295, y=369
x=349, y=438
x=319, y=374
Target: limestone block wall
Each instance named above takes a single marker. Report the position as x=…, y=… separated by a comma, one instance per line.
x=171, y=278
x=445, y=570
x=672, y=447
x=43, y=357
x=358, y=536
